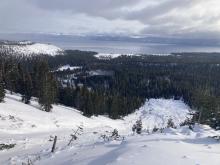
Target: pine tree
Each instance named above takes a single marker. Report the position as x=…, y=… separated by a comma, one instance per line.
x=27, y=88
x=77, y=98
x=25, y=84
x=89, y=109
x=47, y=87
x=114, y=108
x=2, y=91
x=11, y=76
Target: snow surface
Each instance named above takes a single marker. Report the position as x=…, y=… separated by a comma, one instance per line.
x=108, y=56
x=28, y=48
x=162, y=54
x=30, y=129
x=157, y=112
x=100, y=73
x=68, y=67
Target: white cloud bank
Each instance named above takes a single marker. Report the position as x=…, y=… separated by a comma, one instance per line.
x=180, y=18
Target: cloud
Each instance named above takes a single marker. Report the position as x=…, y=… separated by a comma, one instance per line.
x=99, y=8
x=181, y=18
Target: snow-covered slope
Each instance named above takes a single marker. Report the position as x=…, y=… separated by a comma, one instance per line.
x=16, y=117
x=169, y=148
x=30, y=129
x=28, y=48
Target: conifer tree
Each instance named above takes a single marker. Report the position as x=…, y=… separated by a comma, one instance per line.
x=89, y=110
x=47, y=87
x=11, y=76
x=27, y=88
x=25, y=84
x=114, y=108
x=2, y=91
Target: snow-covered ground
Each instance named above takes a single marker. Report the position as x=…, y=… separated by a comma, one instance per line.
x=28, y=48
x=99, y=72
x=68, y=67
x=161, y=54
x=108, y=56
x=31, y=130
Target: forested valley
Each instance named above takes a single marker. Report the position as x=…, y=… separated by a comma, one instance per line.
x=115, y=87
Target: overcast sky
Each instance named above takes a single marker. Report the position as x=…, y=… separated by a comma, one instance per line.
x=179, y=18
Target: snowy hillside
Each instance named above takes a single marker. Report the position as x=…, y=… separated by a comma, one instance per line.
x=31, y=130
x=28, y=48
x=21, y=118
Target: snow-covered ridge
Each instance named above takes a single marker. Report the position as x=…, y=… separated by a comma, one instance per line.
x=108, y=56
x=28, y=48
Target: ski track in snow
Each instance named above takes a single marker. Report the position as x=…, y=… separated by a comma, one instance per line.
x=30, y=129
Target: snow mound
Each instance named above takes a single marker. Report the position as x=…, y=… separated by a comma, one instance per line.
x=27, y=48
x=157, y=112
x=109, y=56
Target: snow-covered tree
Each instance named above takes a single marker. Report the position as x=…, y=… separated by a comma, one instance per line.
x=170, y=124
x=139, y=126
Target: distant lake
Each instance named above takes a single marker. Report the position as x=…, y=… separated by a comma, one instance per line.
x=109, y=46
x=133, y=48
